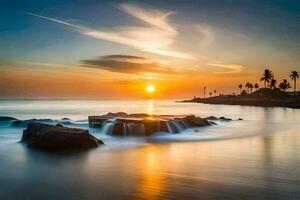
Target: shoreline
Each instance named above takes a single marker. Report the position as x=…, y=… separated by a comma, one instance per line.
x=240, y=101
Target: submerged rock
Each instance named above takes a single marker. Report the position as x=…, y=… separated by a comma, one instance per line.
x=5, y=118
x=211, y=118
x=138, y=127
x=197, y=121
x=225, y=119
x=24, y=123
x=97, y=121
x=65, y=119
x=58, y=137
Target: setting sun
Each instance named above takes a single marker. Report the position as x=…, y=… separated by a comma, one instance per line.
x=150, y=88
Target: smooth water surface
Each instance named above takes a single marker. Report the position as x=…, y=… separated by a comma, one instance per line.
x=256, y=158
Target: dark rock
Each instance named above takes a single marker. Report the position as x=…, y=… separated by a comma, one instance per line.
x=118, y=129
x=65, y=119
x=154, y=126
x=118, y=114
x=24, y=123
x=211, y=118
x=5, y=118
x=51, y=137
x=196, y=121
x=97, y=121
x=139, y=125
x=225, y=119
x=240, y=119
x=134, y=127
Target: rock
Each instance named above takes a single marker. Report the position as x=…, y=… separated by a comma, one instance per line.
x=225, y=119
x=196, y=121
x=119, y=129
x=141, y=124
x=97, y=121
x=136, y=127
x=51, y=137
x=24, y=123
x=154, y=126
x=211, y=118
x=240, y=119
x=65, y=119
x=5, y=118
x=118, y=114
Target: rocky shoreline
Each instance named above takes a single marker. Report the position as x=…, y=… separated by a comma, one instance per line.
x=48, y=134
x=264, y=98
x=123, y=124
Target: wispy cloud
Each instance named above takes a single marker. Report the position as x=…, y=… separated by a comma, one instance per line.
x=228, y=68
x=43, y=64
x=207, y=33
x=156, y=36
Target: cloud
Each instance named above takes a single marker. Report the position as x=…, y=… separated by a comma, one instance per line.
x=207, y=33
x=228, y=68
x=127, y=64
x=39, y=64
x=156, y=36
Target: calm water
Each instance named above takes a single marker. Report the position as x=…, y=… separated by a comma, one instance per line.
x=257, y=158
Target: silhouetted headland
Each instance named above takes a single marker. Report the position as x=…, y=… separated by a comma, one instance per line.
x=265, y=97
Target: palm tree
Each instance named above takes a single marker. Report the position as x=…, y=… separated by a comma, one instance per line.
x=215, y=91
x=256, y=86
x=204, y=91
x=247, y=86
x=240, y=86
x=251, y=87
x=273, y=83
x=294, y=76
x=284, y=85
x=267, y=77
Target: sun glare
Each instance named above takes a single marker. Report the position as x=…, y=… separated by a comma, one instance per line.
x=150, y=88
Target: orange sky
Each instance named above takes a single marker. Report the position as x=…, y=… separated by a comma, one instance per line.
x=76, y=51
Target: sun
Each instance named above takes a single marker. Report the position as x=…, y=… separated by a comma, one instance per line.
x=150, y=88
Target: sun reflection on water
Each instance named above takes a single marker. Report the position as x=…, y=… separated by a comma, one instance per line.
x=150, y=106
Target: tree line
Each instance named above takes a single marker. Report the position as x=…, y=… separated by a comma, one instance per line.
x=271, y=82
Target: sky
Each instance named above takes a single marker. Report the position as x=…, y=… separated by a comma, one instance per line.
x=65, y=49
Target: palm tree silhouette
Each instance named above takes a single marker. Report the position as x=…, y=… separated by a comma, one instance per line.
x=247, y=86
x=267, y=77
x=284, y=85
x=251, y=87
x=273, y=83
x=240, y=86
x=204, y=91
x=294, y=76
x=256, y=86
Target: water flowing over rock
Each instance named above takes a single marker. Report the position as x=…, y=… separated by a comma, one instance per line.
x=58, y=137
x=141, y=124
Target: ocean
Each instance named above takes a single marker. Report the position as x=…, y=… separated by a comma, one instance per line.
x=254, y=158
